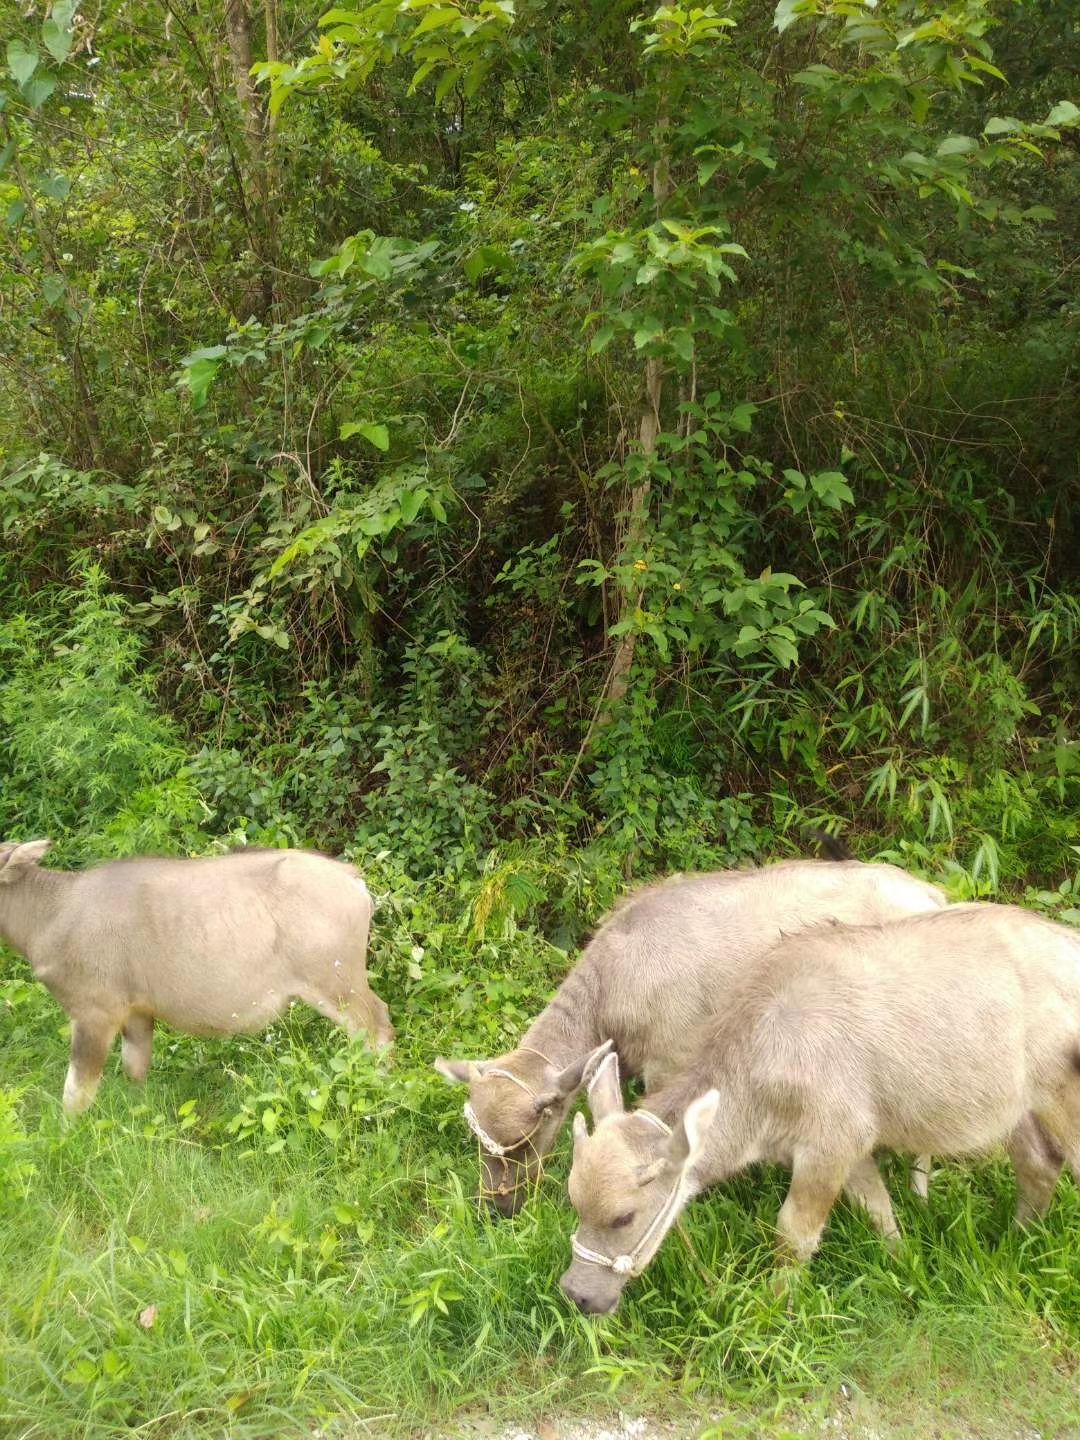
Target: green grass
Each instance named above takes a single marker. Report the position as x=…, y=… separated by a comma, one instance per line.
x=329, y=1276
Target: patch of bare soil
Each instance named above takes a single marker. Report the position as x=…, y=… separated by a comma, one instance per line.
x=852, y=1421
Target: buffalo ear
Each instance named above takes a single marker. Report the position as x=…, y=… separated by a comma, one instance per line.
x=570, y=1080
x=689, y=1140
x=458, y=1072
x=605, y=1089
x=27, y=853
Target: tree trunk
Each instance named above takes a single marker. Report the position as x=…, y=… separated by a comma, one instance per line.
x=273, y=51
x=238, y=30
x=238, y=27
x=648, y=429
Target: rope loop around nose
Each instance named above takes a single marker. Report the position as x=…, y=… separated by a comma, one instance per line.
x=489, y=1143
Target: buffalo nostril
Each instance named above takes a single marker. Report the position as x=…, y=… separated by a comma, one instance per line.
x=580, y=1300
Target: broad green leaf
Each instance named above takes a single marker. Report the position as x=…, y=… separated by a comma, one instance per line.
x=410, y=502
x=788, y=11
x=200, y=368
x=682, y=342
x=377, y=435
x=56, y=187
x=446, y=84
x=1063, y=113
x=39, y=90
x=816, y=77
x=957, y=145
x=985, y=67
x=783, y=649
x=53, y=288
x=58, y=39
x=487, y=257
x=602, y=339
x=436, y=19
x=83, y=1372
x=22, y=61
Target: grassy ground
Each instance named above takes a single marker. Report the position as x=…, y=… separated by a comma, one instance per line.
x=277, y=1237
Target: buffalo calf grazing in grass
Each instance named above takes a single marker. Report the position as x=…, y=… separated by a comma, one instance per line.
x=664, y=961
x=213, y=946
x=949, y=1033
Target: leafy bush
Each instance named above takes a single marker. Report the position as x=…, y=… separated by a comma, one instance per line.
x=88, y=757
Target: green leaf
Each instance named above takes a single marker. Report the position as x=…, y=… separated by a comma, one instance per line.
x=58, y=39
x=783, y=649
x=446, y=84
x=920, y=103
x=1063, y=113
x=787, y=12
x=487, y=257
x=200, y=368
x=436, y=19
x=39, y=90
x=377, y=435
x=985, y=67
x=56, y=187
x=957, y=145
x=817, y=77
x=22, y=61
x=83, y=1372
x=410, y=502
x=53, y=287
x=601, y=339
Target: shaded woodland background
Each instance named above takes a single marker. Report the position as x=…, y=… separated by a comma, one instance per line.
x=542, y=435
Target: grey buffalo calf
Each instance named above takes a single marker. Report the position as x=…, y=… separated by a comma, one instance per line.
x=663, y=962
x=949, y=1033
x=213, y=946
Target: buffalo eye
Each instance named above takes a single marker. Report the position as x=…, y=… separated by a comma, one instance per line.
x=622, y=1221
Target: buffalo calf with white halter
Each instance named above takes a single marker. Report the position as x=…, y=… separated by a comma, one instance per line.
x=949, y=1033
x=663, y=962
x=213, y=946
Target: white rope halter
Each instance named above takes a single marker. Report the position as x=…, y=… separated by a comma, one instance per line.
x=634, y=1261
x=495, y=1073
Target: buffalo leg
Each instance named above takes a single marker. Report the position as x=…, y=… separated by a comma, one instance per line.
x=865, y=1185
x=816, y=1181
x=90, y=1041
x=136, y=1046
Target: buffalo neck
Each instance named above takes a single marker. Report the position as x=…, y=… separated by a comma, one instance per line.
x=26, y=907
x=566, y=1028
